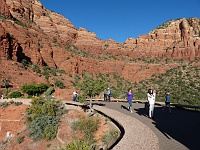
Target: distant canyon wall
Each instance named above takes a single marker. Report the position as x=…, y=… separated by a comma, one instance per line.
x=29, y=31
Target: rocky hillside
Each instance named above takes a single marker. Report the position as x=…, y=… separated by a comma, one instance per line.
x=32, y=36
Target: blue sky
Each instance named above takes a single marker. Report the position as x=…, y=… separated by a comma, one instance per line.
x=122, y=19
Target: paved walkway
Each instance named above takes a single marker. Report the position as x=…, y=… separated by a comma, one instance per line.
x=177, y=131
x=135, y=134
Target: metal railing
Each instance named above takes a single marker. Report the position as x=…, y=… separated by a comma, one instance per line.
x=182, y=106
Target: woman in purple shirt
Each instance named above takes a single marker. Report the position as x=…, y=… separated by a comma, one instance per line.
x=130, y=96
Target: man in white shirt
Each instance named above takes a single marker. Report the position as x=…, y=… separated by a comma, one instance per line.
x=75, y=94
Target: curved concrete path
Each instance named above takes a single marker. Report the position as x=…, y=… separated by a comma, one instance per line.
x=177, y=131
x=135, y=136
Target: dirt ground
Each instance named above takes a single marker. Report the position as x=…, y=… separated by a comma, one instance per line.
x=12, y=121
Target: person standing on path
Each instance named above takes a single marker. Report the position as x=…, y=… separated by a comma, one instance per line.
x=167, y=101
x=75, y=95
x=130, y=96
x=105, y=95
x=151, y=95
x=108, y=95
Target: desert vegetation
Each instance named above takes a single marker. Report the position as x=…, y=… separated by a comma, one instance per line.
x=43, y=119
x=182, y=82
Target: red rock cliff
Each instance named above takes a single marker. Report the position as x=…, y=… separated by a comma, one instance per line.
x=42, y=37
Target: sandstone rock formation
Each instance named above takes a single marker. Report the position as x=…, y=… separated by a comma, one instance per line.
x=29, y=31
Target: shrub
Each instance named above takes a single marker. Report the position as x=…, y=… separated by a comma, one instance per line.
x=15, y=94
x=88, y=126
x=20, y=23
x=6, y=91
x=110, y=137
x=77, y=77
x=17, y=103
x=2, y=17
x=81, y=98
x=20, y=139
x=76, y=145
x=12, y=102
x=48, y=71
x=34, y=89
x=43, y=118
x=25, y=62
x=59, y=84
x=41, y=106
x=36, y=69
x=49, y=91
x=4, y=104
x=43, y=127
x=6, y=83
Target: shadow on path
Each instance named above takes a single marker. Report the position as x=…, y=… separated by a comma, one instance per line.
x=124, y=107
x=182, y=125
x=179, y=130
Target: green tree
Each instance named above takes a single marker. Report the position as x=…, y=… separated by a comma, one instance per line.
x=34, y=89
x=15, y=94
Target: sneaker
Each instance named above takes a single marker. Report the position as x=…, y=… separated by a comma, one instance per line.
x=131, y=111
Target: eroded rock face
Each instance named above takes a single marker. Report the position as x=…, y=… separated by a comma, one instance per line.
x=43, y=37
x=4, y=9
x=180, y=39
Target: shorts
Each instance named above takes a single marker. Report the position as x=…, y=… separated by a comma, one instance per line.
x=167, y=103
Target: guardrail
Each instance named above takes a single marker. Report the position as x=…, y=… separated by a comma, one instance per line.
x=196, y=108
x=182, y=106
